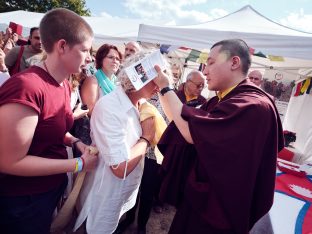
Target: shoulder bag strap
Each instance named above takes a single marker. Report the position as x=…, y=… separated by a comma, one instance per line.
x=17, y=64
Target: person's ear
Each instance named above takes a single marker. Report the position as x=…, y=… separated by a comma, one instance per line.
x=61, y=46
x=236, y=62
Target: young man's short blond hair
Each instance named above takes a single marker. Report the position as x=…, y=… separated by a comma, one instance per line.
x=64, y=24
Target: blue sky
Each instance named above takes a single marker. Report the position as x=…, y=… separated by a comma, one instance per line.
x=292, y=13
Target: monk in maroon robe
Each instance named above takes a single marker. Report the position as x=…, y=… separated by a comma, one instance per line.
x=221, y=158
x=190, y=92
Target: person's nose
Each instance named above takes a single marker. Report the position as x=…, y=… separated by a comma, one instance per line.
x=88, y=58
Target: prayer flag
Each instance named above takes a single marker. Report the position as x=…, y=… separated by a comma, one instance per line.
x=310, y=86
x=305, y=86
x=276, y=58
x=298, y=88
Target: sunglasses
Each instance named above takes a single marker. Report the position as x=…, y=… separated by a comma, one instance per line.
x=199, y=86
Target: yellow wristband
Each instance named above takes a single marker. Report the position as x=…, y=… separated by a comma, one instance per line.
x=76, y=166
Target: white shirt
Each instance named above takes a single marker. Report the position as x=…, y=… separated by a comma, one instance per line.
x=115, y=128
x=4, y=76
x=74, y=98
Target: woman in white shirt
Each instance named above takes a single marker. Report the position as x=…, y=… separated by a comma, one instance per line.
x=122, y=140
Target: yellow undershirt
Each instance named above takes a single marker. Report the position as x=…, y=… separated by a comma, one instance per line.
x=221, y=95
x=189, y=98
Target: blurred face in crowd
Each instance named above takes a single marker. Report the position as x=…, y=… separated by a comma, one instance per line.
x=131, y=49
x=176, y=72
x=194, y=86
x=255, y=77
x=111, y=62
x=15, y=37
x=2, y=56
x=35, y=41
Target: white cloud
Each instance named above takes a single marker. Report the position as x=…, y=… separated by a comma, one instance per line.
x=106, y=15
x=177, y=11
x=298, y=20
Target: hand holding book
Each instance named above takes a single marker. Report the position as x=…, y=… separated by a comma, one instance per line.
x=143, y=71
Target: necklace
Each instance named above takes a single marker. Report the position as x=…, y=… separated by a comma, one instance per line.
x=47, y=70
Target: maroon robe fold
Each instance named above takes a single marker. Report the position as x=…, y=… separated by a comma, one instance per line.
x=230, y=180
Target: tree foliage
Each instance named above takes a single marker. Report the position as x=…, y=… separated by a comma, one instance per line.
x=42, y=6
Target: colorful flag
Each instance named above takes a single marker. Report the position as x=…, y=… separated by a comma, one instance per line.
x=193, y=56
x=164, y=49
x=298, y=88
x=276, y=58
x=305, y=86
x=296, y=193
x=310, y=86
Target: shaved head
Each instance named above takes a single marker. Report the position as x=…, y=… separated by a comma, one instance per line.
x=255, y=77
x=132, y=48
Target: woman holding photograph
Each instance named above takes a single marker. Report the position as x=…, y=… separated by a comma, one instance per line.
x=107, y=61
x=122, y=141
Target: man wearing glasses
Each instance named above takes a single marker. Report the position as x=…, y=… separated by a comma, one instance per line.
x=190, y=92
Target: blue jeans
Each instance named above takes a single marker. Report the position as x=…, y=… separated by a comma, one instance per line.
x=31, y=214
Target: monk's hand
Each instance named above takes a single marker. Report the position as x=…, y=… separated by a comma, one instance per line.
x=148, y=128
x=162, y=79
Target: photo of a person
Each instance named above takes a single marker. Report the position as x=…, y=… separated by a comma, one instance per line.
x=140, y=70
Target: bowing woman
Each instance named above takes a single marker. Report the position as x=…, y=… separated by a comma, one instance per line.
x=111, y=190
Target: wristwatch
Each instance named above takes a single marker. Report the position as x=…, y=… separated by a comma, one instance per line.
x=165, y=90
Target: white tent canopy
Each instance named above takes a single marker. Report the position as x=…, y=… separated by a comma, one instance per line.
x=298, y=120
x=259, y=32
x=107, y=30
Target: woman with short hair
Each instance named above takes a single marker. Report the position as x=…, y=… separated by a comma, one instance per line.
x=35, y=118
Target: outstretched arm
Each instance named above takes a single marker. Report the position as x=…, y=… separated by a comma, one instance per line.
x=172, y=105
x=18, y=124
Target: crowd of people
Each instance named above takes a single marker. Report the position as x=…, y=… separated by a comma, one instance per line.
x=212, y=161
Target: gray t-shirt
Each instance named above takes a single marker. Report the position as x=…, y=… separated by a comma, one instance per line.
x=28, y=59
